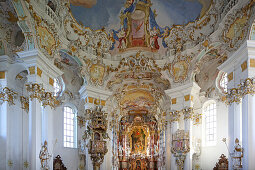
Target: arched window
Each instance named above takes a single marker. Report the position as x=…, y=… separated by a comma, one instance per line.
x=224, y=82
x=70, y=127
x=210, y=123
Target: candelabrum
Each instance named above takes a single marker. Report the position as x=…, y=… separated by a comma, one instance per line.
x=236, y=155
x=8, y=95
x=96, y=131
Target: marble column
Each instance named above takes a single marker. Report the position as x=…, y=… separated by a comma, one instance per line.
x=248, y=131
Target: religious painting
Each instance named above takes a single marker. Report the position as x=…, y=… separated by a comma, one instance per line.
x=137, y=100
x=97, y=73
x=180, y=71
x=138, y=29
x=46, y=39
x=138, y=140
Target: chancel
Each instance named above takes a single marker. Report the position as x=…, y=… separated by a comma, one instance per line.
x=127, y=84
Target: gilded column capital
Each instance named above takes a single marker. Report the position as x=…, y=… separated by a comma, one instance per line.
x=234, y=95
x=174, y=116
x=188, y=113
x=6, y=94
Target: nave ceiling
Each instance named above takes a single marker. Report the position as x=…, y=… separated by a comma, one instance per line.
x=189, y=47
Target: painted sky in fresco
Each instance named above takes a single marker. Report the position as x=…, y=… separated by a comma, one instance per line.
x=105, y=13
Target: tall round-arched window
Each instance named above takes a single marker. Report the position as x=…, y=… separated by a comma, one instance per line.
x=210, y=122
x=70, y=127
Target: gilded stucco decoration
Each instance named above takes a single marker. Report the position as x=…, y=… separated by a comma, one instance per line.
x=46, y=39
x=138, y=67
x=96, y=72
x=237, y=26
x=234, y=95
x=175, y=116
x=12, y=39
x=8, y=95
x=179, y=68
x=36, y=91
x=24, y=103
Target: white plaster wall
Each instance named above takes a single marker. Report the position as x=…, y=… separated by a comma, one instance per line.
x=211, y=154
x=69, y=155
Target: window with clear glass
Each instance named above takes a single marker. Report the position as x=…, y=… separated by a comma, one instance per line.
x=57, y=87
x=210, y=124
x=224, y=82
x=70, y=127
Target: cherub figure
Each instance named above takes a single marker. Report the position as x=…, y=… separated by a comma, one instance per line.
x=122, y=39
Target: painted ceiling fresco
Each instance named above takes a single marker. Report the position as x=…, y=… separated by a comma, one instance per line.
x=143, y=24
x=105, y=13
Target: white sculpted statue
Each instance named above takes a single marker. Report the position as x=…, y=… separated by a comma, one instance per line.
x=237, y=155
x=44, y=156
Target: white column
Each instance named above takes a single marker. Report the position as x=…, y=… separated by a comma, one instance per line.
x=41, y=71
x=237, y=120
x=3, y=131
x=35, y=139
x=231, y=129
x=188, y=160
x=174, y=128
x=248, y=135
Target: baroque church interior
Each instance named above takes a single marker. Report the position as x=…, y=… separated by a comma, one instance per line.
x=127, y=84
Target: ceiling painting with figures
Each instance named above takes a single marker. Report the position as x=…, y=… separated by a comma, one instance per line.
x=137, y=24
